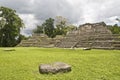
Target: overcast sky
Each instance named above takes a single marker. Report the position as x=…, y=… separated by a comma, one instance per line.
x=34, y=12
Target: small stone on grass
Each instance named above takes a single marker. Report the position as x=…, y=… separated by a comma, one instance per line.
x=86, y=48
x=9, y=49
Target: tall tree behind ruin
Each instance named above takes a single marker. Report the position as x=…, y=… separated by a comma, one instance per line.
x=39, y=29
x=61, y=24
x=53, y=27
x=115, y=29
x=118, y=19
x=48, y=27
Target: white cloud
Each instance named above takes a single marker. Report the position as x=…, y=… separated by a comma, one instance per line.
x=112, y=20
x=30, y=23
x=77, y=11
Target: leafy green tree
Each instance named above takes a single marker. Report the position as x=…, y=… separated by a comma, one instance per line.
x=61, y=24
x=48, y=28
x=115, y=29
x=39, y=29
x=10, y=24
x=118, y=19
x=52, y=27
x=70, y=28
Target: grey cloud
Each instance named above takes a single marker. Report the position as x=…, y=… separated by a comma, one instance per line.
x=76, y=11
x=22, y=6
x=44, y=9
x=52, y=8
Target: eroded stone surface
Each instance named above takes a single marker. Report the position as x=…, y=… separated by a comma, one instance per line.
x=54, y=68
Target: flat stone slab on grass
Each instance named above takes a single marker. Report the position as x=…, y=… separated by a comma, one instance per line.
x=86, y=48
x=54, y=68
x=8, y=49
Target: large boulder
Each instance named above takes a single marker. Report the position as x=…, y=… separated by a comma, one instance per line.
x=54, y=68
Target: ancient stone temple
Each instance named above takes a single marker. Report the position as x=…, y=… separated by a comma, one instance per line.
x=40, y=40
x=37, y=40
x=96, y=36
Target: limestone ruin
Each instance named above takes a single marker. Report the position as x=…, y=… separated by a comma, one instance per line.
x=96, y=36
x=40, y=40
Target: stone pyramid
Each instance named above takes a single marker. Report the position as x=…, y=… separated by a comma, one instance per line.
x=96, y=36
x=37, y=40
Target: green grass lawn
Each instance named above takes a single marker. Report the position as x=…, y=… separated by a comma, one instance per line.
x=22, y=64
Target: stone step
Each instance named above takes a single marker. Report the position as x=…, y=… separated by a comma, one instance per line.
x=116, y=45
x=117, y=48
x=107, y=48
x=66, y=45
x=116, y=42
x=102, y=38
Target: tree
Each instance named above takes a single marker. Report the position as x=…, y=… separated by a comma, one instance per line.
x=10, y=24
x=52, y=27
x=48, y=27
x=61, y=24
x=70, y=28
x=118, y=19
x=39, y=29
x=115, y=29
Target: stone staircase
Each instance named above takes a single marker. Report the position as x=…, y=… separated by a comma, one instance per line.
x=68, y=41
x=100, y=42
x=37, y=40
x=96, y=36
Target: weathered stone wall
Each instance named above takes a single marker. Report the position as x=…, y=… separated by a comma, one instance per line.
x=37, y=40
x=95, y=35
x=40, y=40
x=88, y=35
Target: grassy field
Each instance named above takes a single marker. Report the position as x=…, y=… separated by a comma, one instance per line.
x=22, y=64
